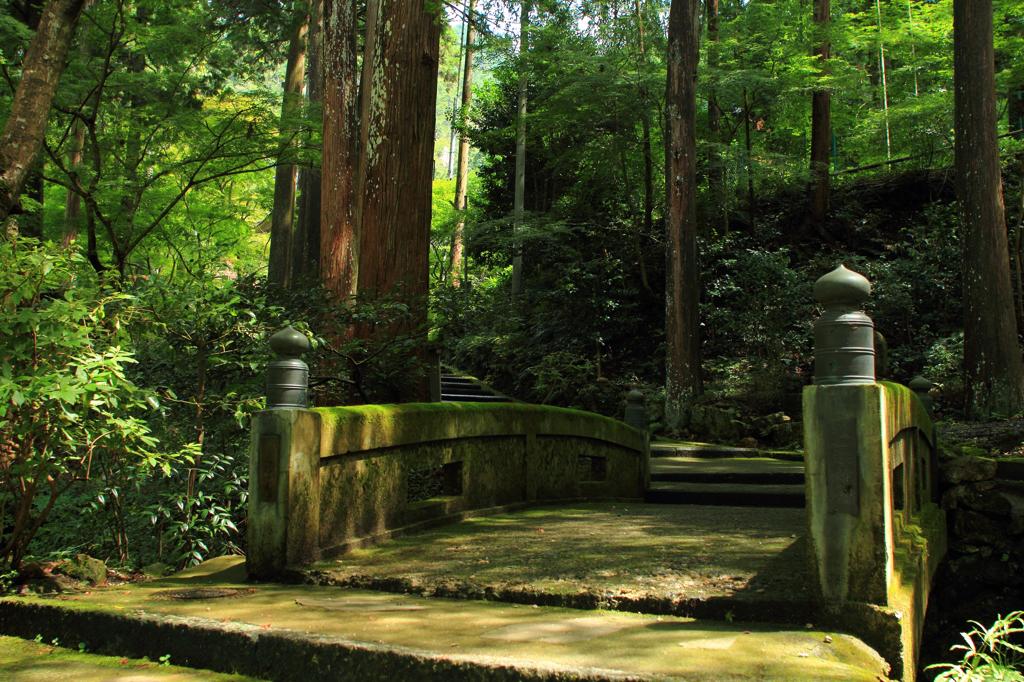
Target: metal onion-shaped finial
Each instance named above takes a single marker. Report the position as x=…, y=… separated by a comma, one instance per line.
x=288, y=375
x=842, y=286
x=844, y=336
x=289, y=342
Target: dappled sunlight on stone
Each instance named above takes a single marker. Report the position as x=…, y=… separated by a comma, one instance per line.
x=606, y=548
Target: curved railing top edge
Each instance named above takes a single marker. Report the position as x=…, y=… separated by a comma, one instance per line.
x=360, y=428
x=907, y=411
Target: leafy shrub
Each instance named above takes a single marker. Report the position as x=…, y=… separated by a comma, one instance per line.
x=66, y=402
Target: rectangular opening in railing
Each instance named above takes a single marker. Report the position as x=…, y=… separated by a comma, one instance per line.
x=590, y=468
x=436, y=481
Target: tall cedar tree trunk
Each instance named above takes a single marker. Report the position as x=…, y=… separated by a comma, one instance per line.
x=716, y=175
x=519, y=199
x=282, y=221
x=377, y=199
x=462, y=172
x=821, y=126
x=400, y=153
x=338, y=245
x=305, y=266
x=25, y=128
x=366, y=110
x=992, y=362
x=682, y=290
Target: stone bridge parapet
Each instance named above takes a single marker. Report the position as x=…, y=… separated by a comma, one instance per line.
x=325, y=480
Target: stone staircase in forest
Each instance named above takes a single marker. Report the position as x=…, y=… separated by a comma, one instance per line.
x=696, y=473
x=689, y=473
x=457, y=388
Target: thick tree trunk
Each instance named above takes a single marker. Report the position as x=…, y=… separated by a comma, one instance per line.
x=306, y=244
x=519, y=199
x=716, y=174
x=682, y=290
x=400, y=151
x=338, y=243
x=399, y=158
x=462, y=174
x=282, y=221
x=821, y=126
x=992, y=361
x=25, y=128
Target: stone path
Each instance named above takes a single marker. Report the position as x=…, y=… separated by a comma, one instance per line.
x=308, y=632
x=691, y=560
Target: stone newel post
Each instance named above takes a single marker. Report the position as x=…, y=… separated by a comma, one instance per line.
x=284, y=466
x=844, y=442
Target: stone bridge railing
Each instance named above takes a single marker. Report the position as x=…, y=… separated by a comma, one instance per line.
x=325, y=480
x=876, y=531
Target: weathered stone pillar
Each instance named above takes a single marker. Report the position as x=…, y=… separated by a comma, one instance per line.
x=636, y=416
x=922, y=387
x=636, y=413
x=284, y=466
x=847, y=485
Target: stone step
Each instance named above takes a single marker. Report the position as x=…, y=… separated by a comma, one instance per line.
x=462, y=398
x=455, y=378
x=715, y=451
x=726, y=494
x=759, y=470
x=465, y=389
x=303, y=632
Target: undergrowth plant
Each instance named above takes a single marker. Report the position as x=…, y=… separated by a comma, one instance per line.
x=989, y=653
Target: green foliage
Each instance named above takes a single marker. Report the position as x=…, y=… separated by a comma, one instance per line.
x=66, y=402
x=989, y=653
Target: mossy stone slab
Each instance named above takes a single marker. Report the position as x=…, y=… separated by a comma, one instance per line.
x=499, y=641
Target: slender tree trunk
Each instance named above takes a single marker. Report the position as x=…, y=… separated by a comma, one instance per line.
x=519, y=205
x=751, y=196
x=648, y=154
x=462, y=175
x=32, y=222
x=73, y=202
x=992, y=361
x=25, y=128
x=306, y=245
x=282, y=221
x=338, y=247
x=716, y=175
x=1015, y=111
x=885, y=81
x=821, y=125
x=456, y=94
x=682, y=290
